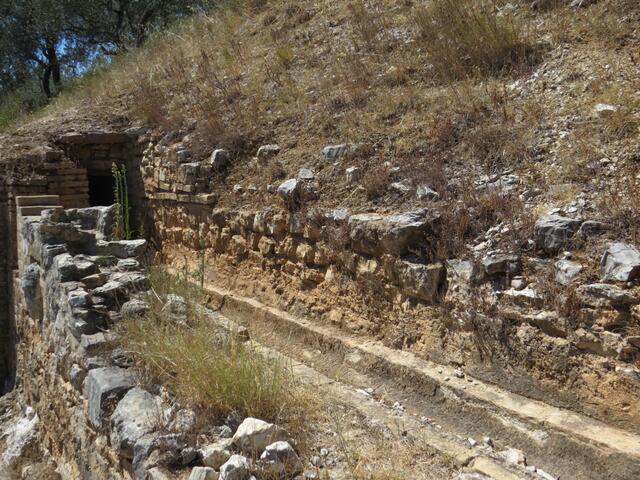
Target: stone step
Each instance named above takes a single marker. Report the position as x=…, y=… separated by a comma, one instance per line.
x=561, y=441
x=29, y=201
x=36, y=210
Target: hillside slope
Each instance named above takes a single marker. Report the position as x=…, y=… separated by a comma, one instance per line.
x=458, y=180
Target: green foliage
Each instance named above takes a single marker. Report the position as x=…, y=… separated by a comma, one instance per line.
x=122, y=228
x=53, y=40
x=19, y=102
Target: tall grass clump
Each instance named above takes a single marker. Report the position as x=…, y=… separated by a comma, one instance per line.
x=465, y=38
x=206, y=367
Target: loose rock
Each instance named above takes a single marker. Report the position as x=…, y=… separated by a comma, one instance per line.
x=236, y=468
x=621, y=262
x=253, y=435
x=280, y=458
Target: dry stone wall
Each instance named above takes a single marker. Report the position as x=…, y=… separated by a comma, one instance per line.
x=85, y=414
x=476, y=313
x=69, y=287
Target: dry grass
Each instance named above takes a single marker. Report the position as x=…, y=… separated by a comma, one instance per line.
x=620, y=203
x=205, y=367
x=468, y=37
x=376, y=181
x=476, y=212
x=439, y=89
x=374, y=452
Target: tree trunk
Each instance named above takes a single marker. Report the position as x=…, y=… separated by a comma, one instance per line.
x=54, y=63
x=45, y=81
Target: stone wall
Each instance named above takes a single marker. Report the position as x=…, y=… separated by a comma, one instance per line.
x=337, y=267
x=69, y=287
x=87, y=411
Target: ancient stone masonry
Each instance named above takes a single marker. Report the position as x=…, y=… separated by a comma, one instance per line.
x=85, y=414
x=68, y=289
x=492, y=322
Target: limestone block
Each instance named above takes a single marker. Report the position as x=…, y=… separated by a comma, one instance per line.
x=102, y=388
x=122, y=248
x=421, y=281
x=553, y=232
x=254, y=435
x=137, y=414
x=621, y=262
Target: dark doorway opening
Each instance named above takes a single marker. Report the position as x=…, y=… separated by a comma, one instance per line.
x=101, y=190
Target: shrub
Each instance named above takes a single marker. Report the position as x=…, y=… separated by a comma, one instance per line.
x=17, y=103
x=376, y=181
x=466, y=37
x=203, y=365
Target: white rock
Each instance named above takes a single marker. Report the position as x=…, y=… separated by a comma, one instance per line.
x=353, y=174
x=266, y=151
x=334, y=152
x=219, y=158
x=203, y=473
x=545, y=475
x=424, y=192
x=305, y=174
x=136, y=415
x=567, y=271
x=512, y=456
x=18, y=436
x=621, y=262
x=604, y=109
x=253, y=435
x=280, y=458
x=400, y=187
x=236, y=468
x=216, y=454
x=288, y=188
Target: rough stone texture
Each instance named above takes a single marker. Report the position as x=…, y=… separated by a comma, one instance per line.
x=153, y=450
x=592, y=228
x=31, y=290
x=421, y=281
x=502, y=264
x=103, y=387
x=203, y=473
x=219, y=159
x=464, y=270
x=134, y=308
x=567, y=271
x=621, y=262
x=615, y=295
x=216, y=454
x=122, y=248
x=353, y=174
x=281, y=459
x=334, y=152
x=267, y=151
x=253, y=435
x=373, y=234
x=175, y=309
x=136, y=415
x=553, y=232
x=424, y=192
x=236, y=468
x=289, y=189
